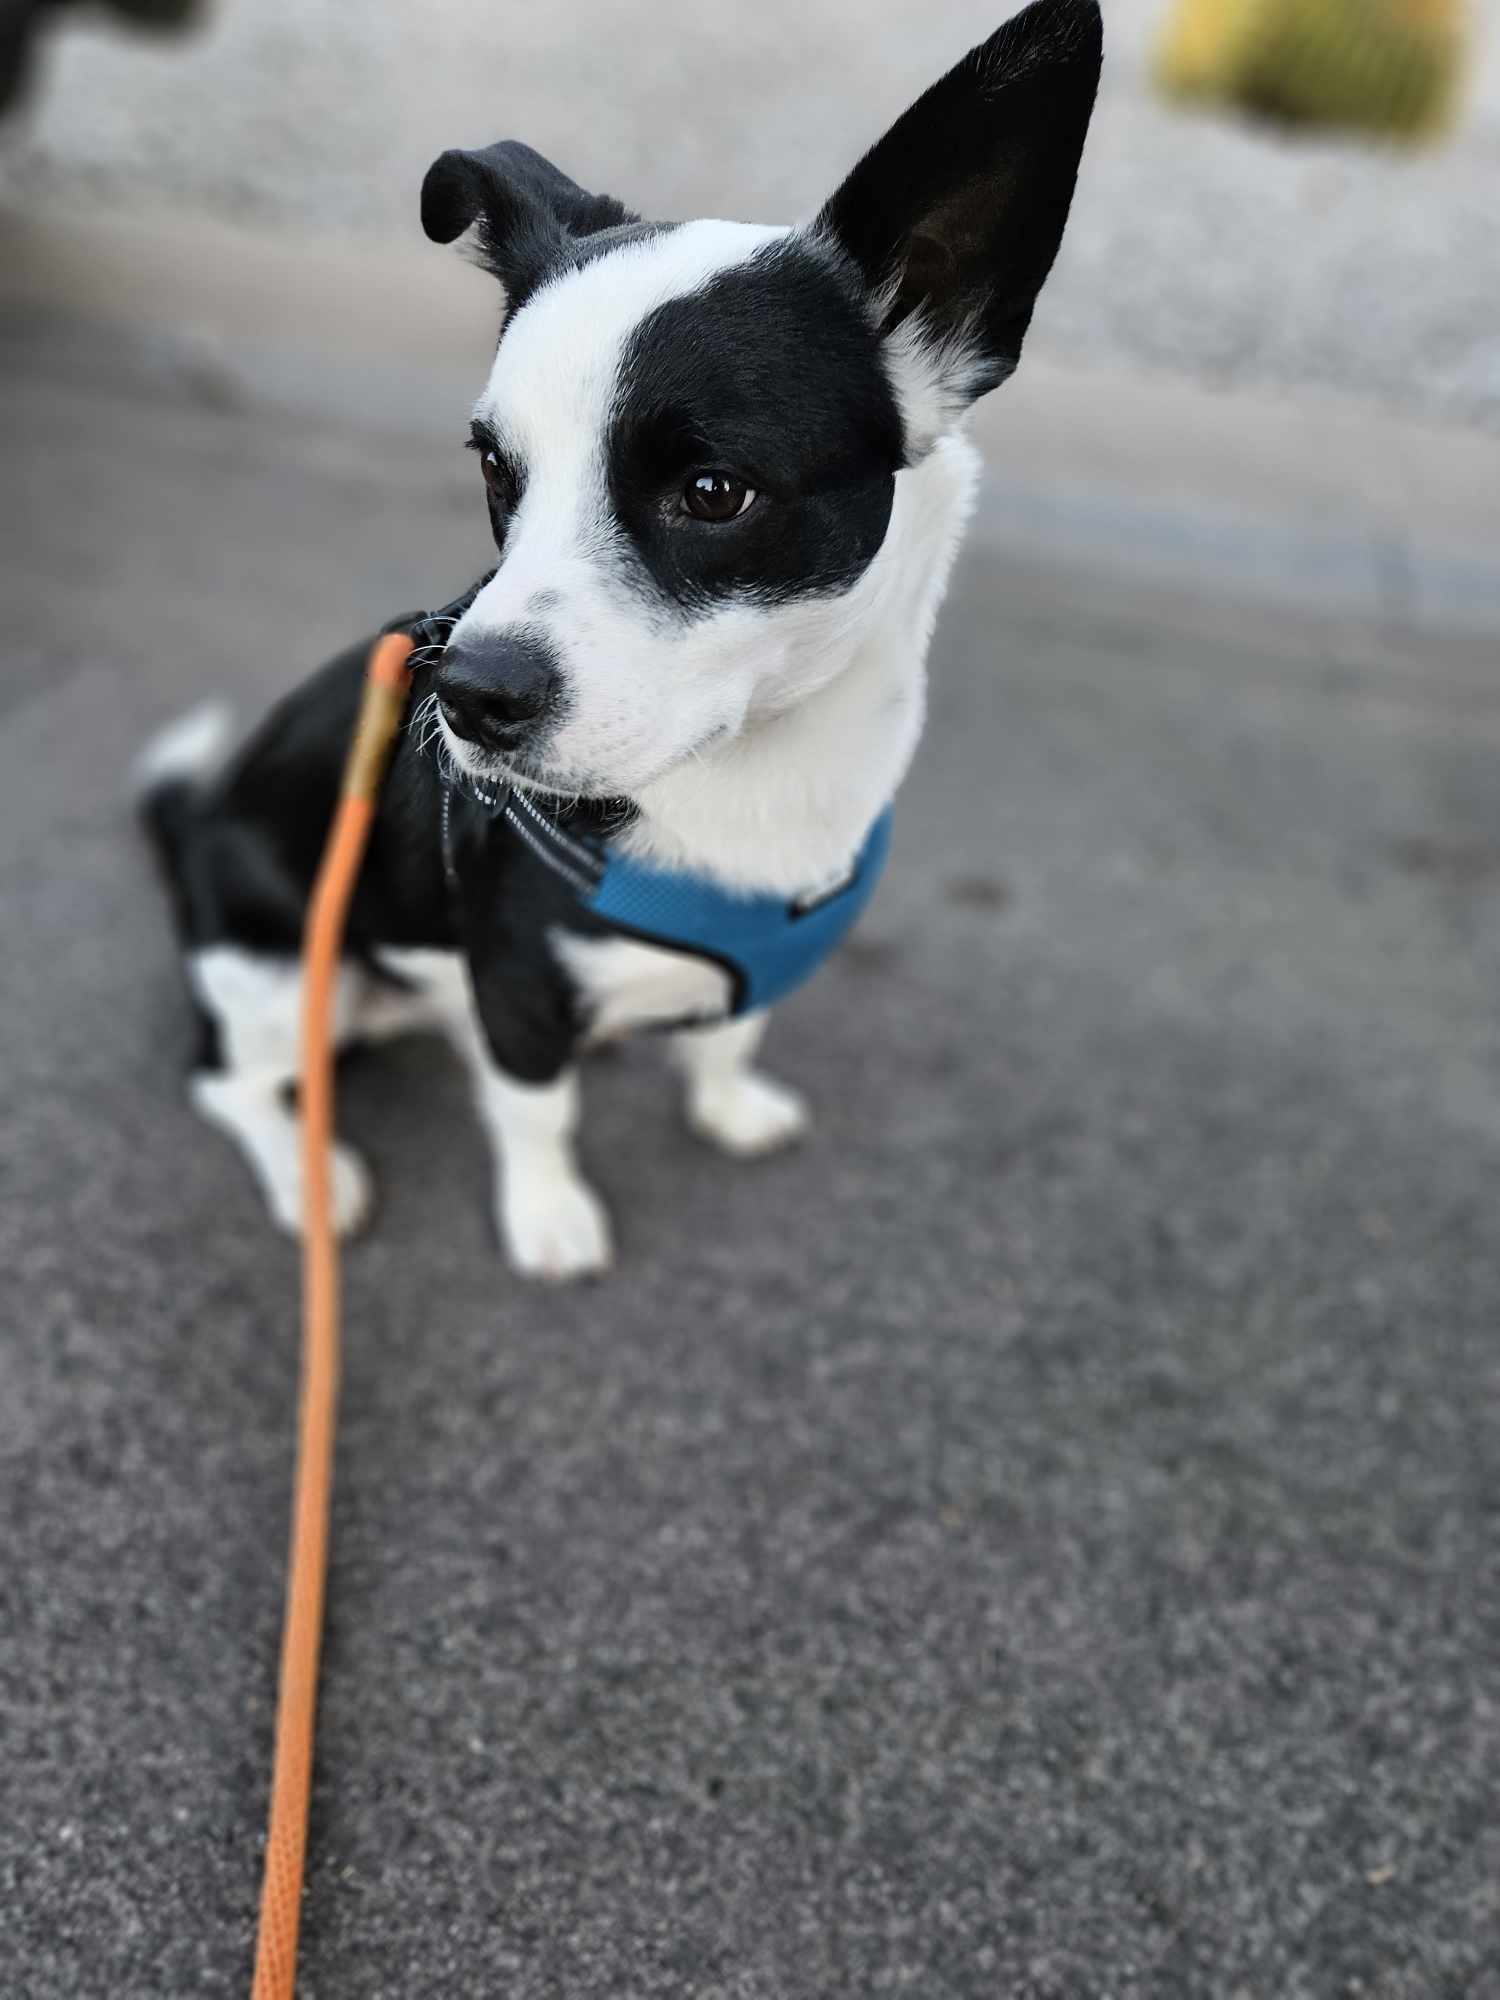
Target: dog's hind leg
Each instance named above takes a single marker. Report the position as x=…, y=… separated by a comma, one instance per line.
x=729, y=1103
x=254, y=1003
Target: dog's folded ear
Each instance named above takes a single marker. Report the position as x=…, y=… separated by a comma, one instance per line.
x=955, y=216
x=523, y=210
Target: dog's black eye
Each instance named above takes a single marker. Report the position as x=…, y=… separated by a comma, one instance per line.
x=501, y=474
x=716, y=496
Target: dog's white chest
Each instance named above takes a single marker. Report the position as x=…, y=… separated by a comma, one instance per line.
x=627, y=985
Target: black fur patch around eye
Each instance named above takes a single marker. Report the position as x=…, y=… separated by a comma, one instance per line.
x=771, y=371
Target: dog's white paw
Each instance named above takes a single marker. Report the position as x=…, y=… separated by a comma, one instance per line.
x=351, y=1191
x=554, y=1227
x=252, y=1112
x=747, y=1114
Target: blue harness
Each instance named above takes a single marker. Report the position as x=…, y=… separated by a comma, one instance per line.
x=766, y=944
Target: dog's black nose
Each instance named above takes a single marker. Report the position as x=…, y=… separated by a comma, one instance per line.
x=495, y=690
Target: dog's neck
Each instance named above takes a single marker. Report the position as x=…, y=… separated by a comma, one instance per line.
x=786, y=803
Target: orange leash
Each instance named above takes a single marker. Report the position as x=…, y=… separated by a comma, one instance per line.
x=302, y=1630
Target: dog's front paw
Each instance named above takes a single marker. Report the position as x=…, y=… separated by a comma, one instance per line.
x=353, y=1192
x=555, y=1228
x=747, y=1114
x=351, y=1195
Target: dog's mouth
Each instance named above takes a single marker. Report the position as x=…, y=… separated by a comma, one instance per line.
x=544, y=778
x=489, y=768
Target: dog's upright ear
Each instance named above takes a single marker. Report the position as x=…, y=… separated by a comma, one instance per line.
x=954, y=217
x=524, y=211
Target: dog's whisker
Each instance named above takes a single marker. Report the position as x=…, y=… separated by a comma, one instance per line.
x=426, y=724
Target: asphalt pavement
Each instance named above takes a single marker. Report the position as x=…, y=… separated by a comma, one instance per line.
x=1036, y=1542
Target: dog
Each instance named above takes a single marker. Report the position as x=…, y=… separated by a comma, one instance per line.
x=646, y=772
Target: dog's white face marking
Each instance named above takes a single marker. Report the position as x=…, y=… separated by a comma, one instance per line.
x=642, y=688
x=694, y=351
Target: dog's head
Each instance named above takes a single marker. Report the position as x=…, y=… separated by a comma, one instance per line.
x=691, y=433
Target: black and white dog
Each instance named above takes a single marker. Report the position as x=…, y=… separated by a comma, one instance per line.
x=726, y=482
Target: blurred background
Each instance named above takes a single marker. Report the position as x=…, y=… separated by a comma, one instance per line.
x=1234, y=307
x=1037, y=1541
x=1198, y=246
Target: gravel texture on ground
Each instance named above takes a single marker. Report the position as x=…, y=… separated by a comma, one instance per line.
x=1198, y=244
